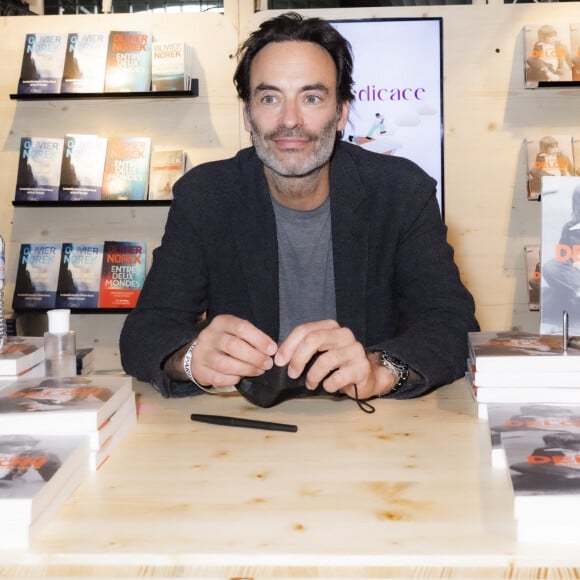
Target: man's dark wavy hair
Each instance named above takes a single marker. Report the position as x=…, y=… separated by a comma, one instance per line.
x=291, y=26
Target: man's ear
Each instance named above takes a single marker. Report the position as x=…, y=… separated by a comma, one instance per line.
x=246, y=113
x=343, y=117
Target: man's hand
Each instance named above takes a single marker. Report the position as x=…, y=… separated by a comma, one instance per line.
x=227, y=350
x=342, y=357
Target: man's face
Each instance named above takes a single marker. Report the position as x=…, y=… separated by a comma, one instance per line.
x=293, y=113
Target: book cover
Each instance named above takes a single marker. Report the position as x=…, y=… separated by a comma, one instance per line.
x=33, y=469
x=39, y=166
x=85, y=62
x=123, y=274
x=575, y=50
x=42, y=63
x=547, y=53
x=549, y=155
x=533, y=273
x=82, y=169
x=37, y=276
x=79, y=277
x=20, y=353
x=166, y=168
x=169, y=66
x=128, y=66
x=76, y=405
x=560, y=254
x=544, y=467
x=126, y=172
x=519, y=352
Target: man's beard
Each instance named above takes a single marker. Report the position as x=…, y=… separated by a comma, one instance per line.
x=291, y=166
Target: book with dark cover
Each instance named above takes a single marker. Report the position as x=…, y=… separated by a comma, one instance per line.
x=82, y=169
x=79, y=278
x=37, y=276
x=126, y=172
x=123, y=274
x=39, y=167
x=85, y=62
x=20, y=353
x=42, y=63
x=533, y=271
x=128, y=66
x=560, y=255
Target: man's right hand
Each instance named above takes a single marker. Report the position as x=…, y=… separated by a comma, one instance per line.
x=228, y=349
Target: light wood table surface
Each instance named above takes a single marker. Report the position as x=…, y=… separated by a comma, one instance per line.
x=406, y=492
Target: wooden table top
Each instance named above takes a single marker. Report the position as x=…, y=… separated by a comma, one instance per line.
x=407, y=491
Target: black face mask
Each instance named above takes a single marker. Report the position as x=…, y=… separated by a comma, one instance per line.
x=275, y=386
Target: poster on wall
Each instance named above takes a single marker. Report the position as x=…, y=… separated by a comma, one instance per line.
x=398, y=107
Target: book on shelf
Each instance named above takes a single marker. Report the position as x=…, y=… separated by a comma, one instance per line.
x=84, y=63
x=56, y=405
x=575, y=50
x=560, y=254
x=534, y=276
x=547, y=53
x=79, y=277
x=82, y=169
x=167, y=166
x=42, y=63
x=126, y=171
x=37, y=276
x=170, y=66
x=514, y=352
x=39, y=167
x=19, y=354
x=128, y=67
x=123, y=274
x=38, y=473
x=548, y=155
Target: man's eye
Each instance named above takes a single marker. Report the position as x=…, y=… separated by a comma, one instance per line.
x=268, y=99
x=313, y=99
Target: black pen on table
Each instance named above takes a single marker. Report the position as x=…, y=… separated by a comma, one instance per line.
x=239, y=422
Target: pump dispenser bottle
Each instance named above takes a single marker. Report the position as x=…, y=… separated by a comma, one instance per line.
x=60, y=345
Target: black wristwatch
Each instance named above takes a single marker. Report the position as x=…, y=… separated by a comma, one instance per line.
x=396, y=366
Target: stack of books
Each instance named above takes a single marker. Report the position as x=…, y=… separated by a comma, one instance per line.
x=37, y=475
x=519, y=367
x=539, y=446
x=53, y=431
x=21, y=356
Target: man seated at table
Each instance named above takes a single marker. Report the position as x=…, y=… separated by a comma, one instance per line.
x=302, y=244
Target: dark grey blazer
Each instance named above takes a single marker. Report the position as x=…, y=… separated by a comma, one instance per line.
x=397, y=287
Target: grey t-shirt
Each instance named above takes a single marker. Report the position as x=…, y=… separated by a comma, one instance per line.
x=306, y=275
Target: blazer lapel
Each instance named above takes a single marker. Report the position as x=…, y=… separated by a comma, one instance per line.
x=350, y=234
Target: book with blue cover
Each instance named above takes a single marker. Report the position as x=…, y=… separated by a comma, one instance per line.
x=79, y=275
x=42, y=63
x=85, y=62
x=82, y=169
x=39, y=167
x=37, y=276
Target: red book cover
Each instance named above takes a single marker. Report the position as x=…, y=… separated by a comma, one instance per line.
x=123, y=274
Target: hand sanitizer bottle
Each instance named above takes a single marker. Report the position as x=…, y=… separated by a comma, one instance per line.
x=60, y=345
